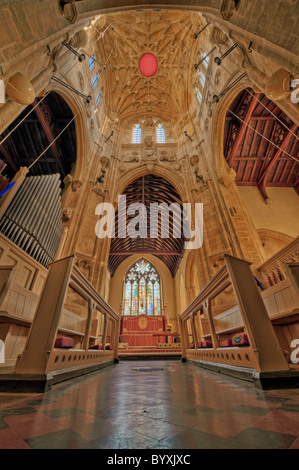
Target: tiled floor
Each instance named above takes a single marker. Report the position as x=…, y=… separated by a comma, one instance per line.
x=179, y=407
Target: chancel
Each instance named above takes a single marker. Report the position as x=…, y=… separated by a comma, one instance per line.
x=149, y=248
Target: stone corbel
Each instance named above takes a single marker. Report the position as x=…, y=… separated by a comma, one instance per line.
x=228, y=8
x=194, y=160
x=219, y=36
x=228, y=179
x=105, y=162
x=66, y=215
x=76, y=185
x=68, y=180
x=69, y=10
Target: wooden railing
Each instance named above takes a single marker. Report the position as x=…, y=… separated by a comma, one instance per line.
x=280, y=294
x=40, y=356
x=21, y=282
x=248, y=316
x=273, y=271
x=280, y=279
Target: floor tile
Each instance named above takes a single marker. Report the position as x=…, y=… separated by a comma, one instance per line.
x=253, y=438
x=64, y=439
x=184, y=407
x=158, y=429
x=3, y=424
x=290, y=407
x=280, y=421
x=252, y=410
x=32, y=425
x=61, y=412
x=17, y=411
x=10, y=440
x=192, y=439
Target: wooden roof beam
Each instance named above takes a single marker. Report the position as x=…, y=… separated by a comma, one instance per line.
x=243, y=129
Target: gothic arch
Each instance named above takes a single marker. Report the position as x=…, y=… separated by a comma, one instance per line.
x=167, y=284
x=221, y=166
x=174, y=179
x=192, y=277
x=77, y=108
x=148, y=189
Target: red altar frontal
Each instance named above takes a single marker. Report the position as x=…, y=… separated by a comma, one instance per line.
x=143, y=330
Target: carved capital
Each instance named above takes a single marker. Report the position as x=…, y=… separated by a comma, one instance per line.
x=66, y=215
x=228, y=8
x=69, y=10
x=76, y=185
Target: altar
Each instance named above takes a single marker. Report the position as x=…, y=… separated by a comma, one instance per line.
x=143, y=330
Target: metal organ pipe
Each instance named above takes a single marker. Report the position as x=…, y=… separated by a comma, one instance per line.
x=33, y=219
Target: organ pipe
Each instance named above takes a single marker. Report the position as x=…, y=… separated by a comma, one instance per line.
x=33, y=219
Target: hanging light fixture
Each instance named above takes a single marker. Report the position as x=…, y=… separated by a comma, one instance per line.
x=20, y=89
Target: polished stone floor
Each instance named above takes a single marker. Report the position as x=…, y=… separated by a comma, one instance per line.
x=151, y=405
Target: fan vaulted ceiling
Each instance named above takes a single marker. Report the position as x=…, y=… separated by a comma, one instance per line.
x=166, y=34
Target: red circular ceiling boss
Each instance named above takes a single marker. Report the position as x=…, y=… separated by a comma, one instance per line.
x=148, y=64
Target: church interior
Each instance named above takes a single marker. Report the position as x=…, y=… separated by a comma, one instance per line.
x=117, y=330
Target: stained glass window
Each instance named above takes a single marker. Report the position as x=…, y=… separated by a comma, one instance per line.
x=142, y=290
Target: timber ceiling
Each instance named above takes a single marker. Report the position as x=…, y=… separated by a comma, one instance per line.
x=34, y=135
x=146, y=190
x=255, y=161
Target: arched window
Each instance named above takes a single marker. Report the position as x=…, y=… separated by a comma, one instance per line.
x=142, y=290
x=137, y=134
x=199, y=95
x=160, y=134
x=98, y=97
x=95, y=80
x=206, y=60
x=91, y=62
x=202, y=79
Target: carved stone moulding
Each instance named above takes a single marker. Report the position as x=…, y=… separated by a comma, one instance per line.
x=76, y=185
x=80, y=39
x=219, y=36
x=105, y=162
x=69, y=10
x=66, y=215
x=194, y=160
x=149, y=155
x=228, y=8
